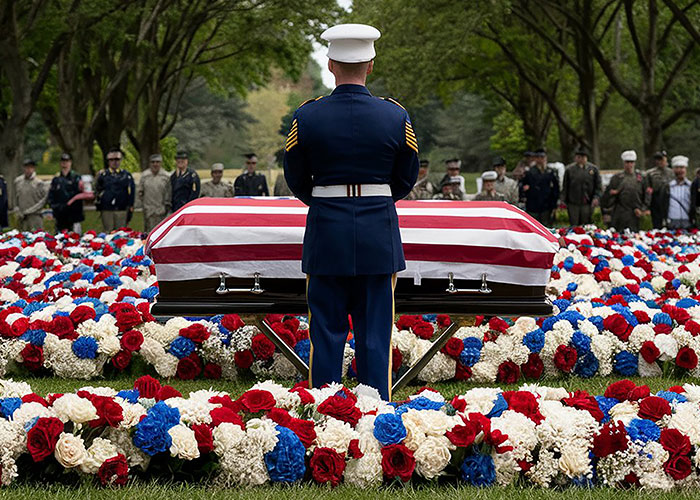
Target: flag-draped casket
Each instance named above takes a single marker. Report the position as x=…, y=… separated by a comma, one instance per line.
x=220, y=255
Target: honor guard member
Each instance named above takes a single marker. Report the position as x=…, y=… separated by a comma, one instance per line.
x=67, y=212
x=4, y=204
x=488, y=188
x=582, y=189
x=656, y=180
x=30, y=197
x=115, y=192
x=540, y=188
x=503, y=184
x=350, y=156
x=154, y=193
x=423, y=189
x=624, y=197
x=249, y=183
x=216, y=187
x=184, y=182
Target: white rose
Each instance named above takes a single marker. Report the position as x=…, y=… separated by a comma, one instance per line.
x=184, y=442
x=71, y=407
x=70, y=450
x=99, y=451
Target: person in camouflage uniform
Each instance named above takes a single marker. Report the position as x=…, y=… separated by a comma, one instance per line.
x=582, y=189
x=449, y=190
x=423, y=189
x=30, y=197
x=656, y=181
x=216, y=188
x=623, y=200
x=488, y=188
x=154, y=193
x=505, y=185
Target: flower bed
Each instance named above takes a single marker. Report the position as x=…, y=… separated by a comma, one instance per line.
x=80, y=307
x=537, y=436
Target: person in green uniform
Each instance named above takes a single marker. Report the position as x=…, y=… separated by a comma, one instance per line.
x=582, y=189
x=488, y=188
x=624, y=197
x=656, y=181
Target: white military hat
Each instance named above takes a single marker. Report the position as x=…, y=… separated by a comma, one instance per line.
x=351, y=43
x=630, y=155
x=217, y=166
x=489, y=175
x=679, y=161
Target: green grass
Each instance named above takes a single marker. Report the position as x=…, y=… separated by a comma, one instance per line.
x=92, y=221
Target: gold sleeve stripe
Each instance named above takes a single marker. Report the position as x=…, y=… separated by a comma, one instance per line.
x=293, y=137
x=411, y=140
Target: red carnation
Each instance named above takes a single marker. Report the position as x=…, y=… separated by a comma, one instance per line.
x=354, y=450
x=453, y=347
x=341, y=408
x=693, y=327
x=189, y=368
x=581, y=400
x=212, y=371
x=196, y=333
x=423, y=329
x=62, y=327
x=128, y=318
x=649, y=351
x=131, y=340
x=462, y=372
x=396, y=359
x=167, y=392
x=642, y=316
x=508, y=372
x=406, y=321
x=256, y=400
x=121, y=360
x=223, y=414
x=32, y=357
x=232, y=322
x=463, y=436
x=534, y=367
x=398, y=462
x=283, y=331
x=291, y=323
x=82, y=313
x=243, y=359
x=327, y=466
x=306, y=397
x=262, y=347
x=654, y=408
x=611, y=439
x=147, y=386
x=443, y=320
x=42, y=437
x=498, y=324
x=678, y=467
x=640, y=392
x=675, y=442
x=19, y=326
x=205, y=440
x=524, y=402
x=686, y=358
x=565, y=358
x=620, y=390
x=304, y=429
x=34, y=398
x=618, y=325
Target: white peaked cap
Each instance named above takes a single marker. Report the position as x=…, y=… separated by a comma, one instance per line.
x=679, y=161
x=351, y=43
x=489, y=175
x=630, y=155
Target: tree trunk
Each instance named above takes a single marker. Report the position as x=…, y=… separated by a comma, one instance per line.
x=652, y=132
x=11, y=151
x=567, y=144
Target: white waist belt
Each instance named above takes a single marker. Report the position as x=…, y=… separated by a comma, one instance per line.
x=351, y=190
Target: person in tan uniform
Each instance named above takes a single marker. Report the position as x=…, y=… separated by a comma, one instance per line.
x=505, y=185
x=656, y=181
x=623, y=199
x=154, y=193
x=216, y=187
x=488, y=189
x=30, y=197
x=423, y=189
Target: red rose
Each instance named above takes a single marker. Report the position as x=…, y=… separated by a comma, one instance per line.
x=678, y=467
x=640, y=392
x=42, y=437
x=498, y=324
x=662, y=328
x=19, y=326
x=423, y=330
x=32, y=357
x=196, y=333
x=407, y=321
x=121, y=360
x=304, y=429
x=232, y=322
x=306, y=397
x=262, y=347
x=327, y=466
x=189, y=368
x=649, y=351
x=534, y=367
x=127, y=318
x=508, y=372
x=398, y=462
x=114, y=471
x=686, y=358
x=654, y=408
x=34, y=398
x=620, y=390
x=62, y=327
x=131, y=340
x=674, y=442
x=618, y=325
x=203, y=435
x=565, y=358
x=243, y=359
x=256, y=400
x=212, y=371
x=167, y=392
x=581, y=400
x=642, y=317
x=145, y=309
x=341, y=408
x=453, y=347
x=524, y=402
x=147, y=386
x=223, y=414
x=611, y=439
x=443, y=320
x=227, y=402
x=693, y=327
x=109, y=412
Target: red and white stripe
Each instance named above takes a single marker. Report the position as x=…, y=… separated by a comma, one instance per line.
x=243, y=236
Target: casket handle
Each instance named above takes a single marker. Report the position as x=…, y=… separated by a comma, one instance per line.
x=451, y=288
x=222, y=290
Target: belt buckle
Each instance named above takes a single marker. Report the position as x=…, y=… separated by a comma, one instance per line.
x=353, y=190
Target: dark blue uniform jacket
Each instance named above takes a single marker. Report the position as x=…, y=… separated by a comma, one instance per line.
x=115, y=190
x=185, y=187
x=351, y=137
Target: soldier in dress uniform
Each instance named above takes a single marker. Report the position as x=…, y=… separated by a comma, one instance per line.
x=350, y=156
x=423, y=189
x=540, y=188
x=488, y=188
x=30, y=197
x=624, y=197
x=249, y=183
x=582, y=189
x=115, y=192
x=505, y=185
x=64, y=186
x=154, y=193
x=184, y=182
x=656, y=181
x=4, y=204
x=216, y=187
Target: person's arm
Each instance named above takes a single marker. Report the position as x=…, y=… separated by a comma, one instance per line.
x=597, y=187
x=139, y=192
x=196, y=187
x=43, y=193
x=555, y=191
x=565, y=188
x=297, y=169
x=265, y=191
x=405, y=171
x=131, y=192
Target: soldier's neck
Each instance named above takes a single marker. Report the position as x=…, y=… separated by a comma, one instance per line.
x=351, y=81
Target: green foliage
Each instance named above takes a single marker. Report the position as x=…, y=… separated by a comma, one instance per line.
x=509, y=138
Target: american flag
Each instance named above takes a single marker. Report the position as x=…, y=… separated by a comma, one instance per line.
x=243, y=236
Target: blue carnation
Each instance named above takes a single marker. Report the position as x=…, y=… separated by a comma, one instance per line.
x=430, y=318
x=676, y=283
x=132, y=396
x=419, y=403
x=641, y=429
x=499, y=406
x=625, y=363
x=472, y=342
x=597, y=320
x=33, y=307
x=573, y=317
x=181, y=347
x=572, y=287
x=626, y=313
x=21, y=303
x=672, y=397
x=151, y=434
x=687, y=303
x=605, y=405
x=9, y=405
x=662, y=318
x=627, y=260
x=562, y=304
x=478, y=470
x=581, y=342
x=302, y=348
x=586, y=365
x=113, y=281
x=149, y=293
x=569, y=263
x=34, y=337
x=389, y=428
x=534, y=340
x=471, y=353
x=285, y=463
x=600, y=266
x=85, y=347
x=548, y=323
